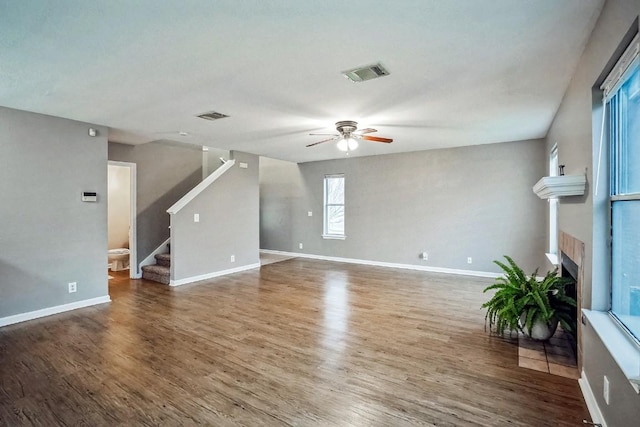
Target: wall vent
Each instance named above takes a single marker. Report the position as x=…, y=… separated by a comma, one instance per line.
x=365, y=73
x=212, y=115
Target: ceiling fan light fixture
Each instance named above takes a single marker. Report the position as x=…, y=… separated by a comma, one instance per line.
x=348, y=136
x=347, y=144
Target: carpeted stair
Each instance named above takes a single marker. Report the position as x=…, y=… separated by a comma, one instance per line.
x=160, y=271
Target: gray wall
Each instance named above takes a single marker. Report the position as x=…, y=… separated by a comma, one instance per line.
x=624, y=407
x=211, y=160
x=455, y=203
x=576, y=129
x=228, y=211
x=280, y=189
x=165, y=173
x=49, y=237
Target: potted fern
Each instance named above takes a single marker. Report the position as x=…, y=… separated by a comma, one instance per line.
x=528, y=304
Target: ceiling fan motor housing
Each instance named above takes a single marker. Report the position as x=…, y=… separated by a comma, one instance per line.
x=346, y=126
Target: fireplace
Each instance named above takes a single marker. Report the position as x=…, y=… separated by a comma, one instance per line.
x=569, y=269
x=571, y=260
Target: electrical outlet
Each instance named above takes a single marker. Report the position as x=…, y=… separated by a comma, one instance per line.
x=469, y=260
x=73, y=286
x=425, y=256
x=605, y=389
x=300, y=246
x=233, y=258
x=309, y=213
x=196, y=217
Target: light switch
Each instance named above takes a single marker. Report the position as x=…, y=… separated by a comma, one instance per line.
x=196, y=217
x=309, y=213
x=243, y=165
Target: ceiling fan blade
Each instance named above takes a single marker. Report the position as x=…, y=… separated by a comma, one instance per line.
x=367, y=130
x=334, y=134
x=377, y=139
x=324, y=140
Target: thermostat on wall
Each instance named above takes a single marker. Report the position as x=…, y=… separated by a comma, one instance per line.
x=89, y=196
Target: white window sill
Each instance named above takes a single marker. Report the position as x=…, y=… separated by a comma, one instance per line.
x=553, y=259
x=621, y=347
x=333, y=237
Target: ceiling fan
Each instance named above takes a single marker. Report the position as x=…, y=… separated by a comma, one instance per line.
x=348, y=136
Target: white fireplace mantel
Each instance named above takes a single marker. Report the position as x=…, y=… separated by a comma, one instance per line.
x=560, y=186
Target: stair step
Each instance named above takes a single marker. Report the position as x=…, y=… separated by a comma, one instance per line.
x=163, y=259
x=157, y=273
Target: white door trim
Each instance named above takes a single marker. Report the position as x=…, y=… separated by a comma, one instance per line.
x=133, y=236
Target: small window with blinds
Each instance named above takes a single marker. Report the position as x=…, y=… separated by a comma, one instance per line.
x=553, y=205
x=333, y=207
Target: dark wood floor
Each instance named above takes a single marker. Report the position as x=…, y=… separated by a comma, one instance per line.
x=298, y=342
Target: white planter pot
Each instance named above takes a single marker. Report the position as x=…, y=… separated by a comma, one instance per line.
x=540, y=331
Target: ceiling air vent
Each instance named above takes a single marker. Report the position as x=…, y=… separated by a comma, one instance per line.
x=368, y=72
x=212, y=115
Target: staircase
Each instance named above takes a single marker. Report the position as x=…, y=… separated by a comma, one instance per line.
x=160, y=271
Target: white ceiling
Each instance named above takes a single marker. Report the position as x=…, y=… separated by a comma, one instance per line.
x=463, y=72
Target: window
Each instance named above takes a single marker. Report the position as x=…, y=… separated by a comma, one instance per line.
x=553, y=206
x=333, y=207
x=622, y=95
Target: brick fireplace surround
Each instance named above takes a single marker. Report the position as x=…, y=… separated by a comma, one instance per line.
x=572, y=248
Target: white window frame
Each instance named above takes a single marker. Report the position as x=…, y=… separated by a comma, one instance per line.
x=619, y=342
x=618, y=193
x=327, y=205
x=553, y=209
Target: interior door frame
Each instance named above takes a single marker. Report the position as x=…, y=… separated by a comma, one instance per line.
x=133, y=235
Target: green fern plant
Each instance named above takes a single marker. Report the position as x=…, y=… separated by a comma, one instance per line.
x=520, y=296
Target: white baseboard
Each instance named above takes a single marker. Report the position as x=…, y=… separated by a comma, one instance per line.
x=590, y=400
x=388, y=264
x=23, y=317
x=212, y=275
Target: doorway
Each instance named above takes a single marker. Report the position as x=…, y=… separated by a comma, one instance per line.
x=122, y=211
